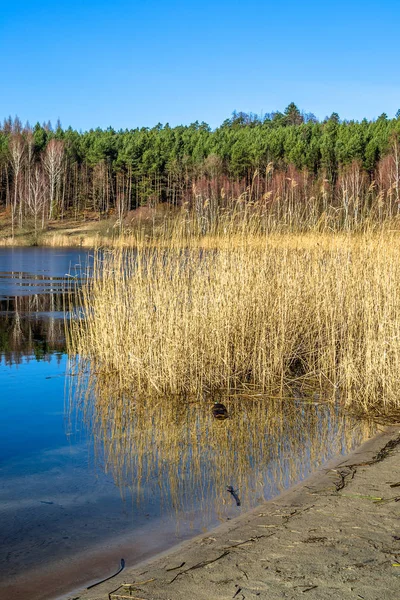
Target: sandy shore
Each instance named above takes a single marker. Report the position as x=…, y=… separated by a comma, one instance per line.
x=336, y=535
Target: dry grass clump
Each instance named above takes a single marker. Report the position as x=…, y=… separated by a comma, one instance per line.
x=255, y=311
x=69, y=232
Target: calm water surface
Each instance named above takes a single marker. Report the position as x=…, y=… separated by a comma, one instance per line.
x=79, y=474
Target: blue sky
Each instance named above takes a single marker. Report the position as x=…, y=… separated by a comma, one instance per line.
x=127, y=63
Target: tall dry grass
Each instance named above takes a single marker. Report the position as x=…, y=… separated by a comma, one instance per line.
x=243, y=309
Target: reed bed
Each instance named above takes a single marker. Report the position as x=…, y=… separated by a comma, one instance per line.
x=249, y=310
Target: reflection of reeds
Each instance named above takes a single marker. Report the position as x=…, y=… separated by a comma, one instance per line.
x=25, y=334
x=178, y=451
x=251, y=312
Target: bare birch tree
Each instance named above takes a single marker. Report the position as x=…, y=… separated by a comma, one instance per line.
x=122, y=200
x=16, y=149
x=37, y=197
x=53, y=163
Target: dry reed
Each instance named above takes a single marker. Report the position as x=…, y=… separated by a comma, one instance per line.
x=247, y=310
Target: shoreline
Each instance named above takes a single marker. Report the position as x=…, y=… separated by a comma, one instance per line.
x=207, y=565
x=204, y=562
x=79, y=235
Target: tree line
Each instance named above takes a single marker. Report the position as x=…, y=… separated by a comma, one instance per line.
x=288, y=161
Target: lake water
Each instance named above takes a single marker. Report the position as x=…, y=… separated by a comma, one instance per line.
x=86, y=481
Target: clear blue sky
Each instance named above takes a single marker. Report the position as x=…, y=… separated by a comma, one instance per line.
x=127, y=63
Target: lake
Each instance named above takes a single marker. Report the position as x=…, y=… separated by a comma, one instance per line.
x=91, y=474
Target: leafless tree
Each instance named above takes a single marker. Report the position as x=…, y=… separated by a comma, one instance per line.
x=37, y=197
x=396, y=168
x=122, y=200
x=17, y=150
x=53, y=164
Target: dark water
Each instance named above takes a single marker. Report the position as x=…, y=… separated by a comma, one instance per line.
x=75, y=478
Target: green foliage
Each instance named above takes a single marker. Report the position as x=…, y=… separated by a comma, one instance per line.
x=243, y=143
x=40, y=138
x=165, y=160
x=292, y=115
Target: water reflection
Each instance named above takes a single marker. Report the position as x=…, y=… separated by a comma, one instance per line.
x=31, y=326
x=172, y=458
x=29, y=271
x=34, y=304
x=174, y=450
x=34, y=285
x=26, y=283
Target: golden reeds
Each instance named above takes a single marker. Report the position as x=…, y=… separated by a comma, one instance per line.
x=240, y=308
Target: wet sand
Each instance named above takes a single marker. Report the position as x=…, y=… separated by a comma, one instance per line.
x=329, y=537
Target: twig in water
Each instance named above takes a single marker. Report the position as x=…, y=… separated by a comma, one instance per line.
x=234, y=494
x=111, y=576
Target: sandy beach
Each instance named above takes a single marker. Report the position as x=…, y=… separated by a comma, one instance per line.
x=335, y=535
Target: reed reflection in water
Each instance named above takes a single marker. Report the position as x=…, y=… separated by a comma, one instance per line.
x=174, y=452
x=31, y=327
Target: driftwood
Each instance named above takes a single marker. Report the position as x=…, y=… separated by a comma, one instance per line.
x=234, y=494
x=199, y=565
x=252, y=539
x=111, y=576
x=115, y=595
x=178, y=567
